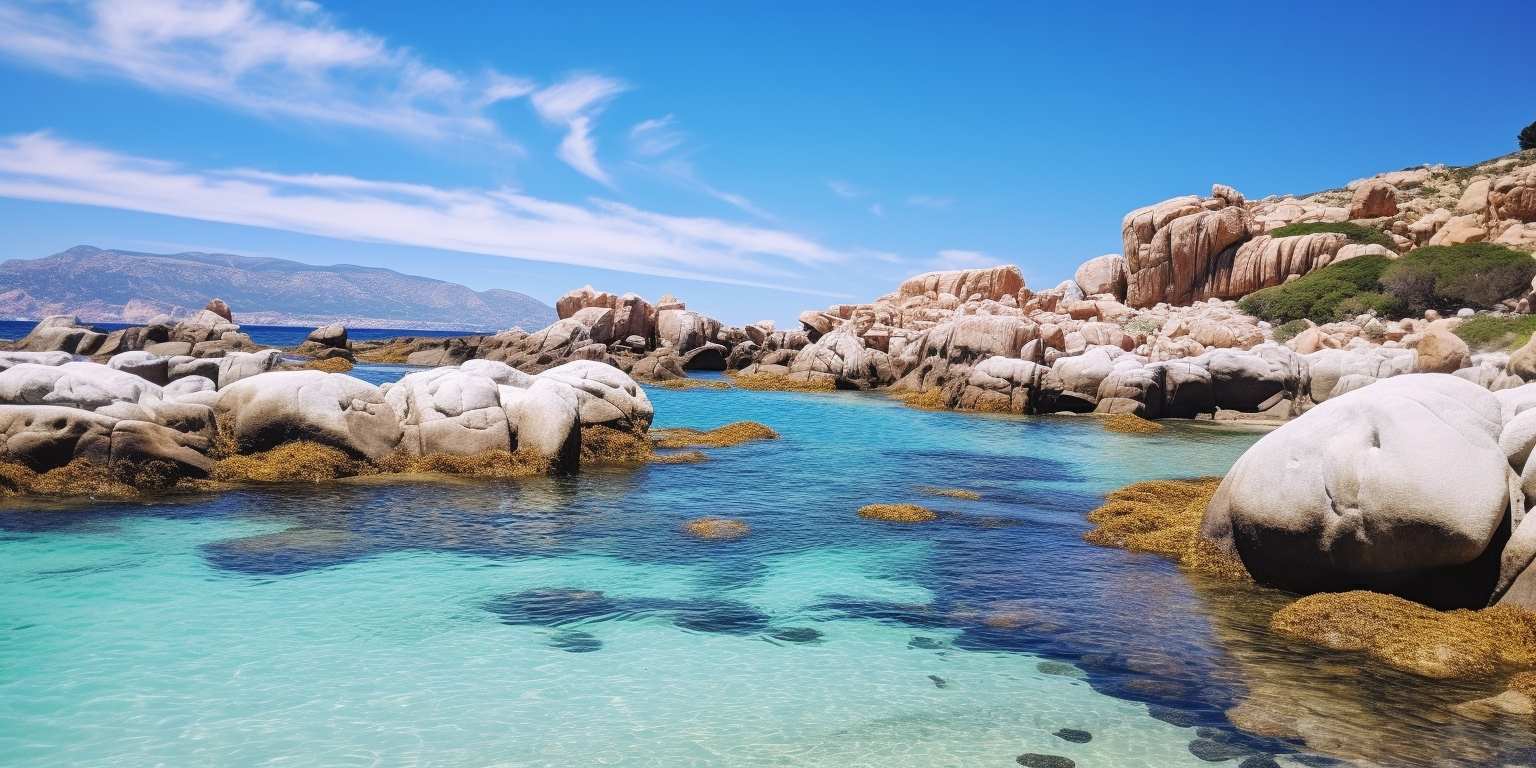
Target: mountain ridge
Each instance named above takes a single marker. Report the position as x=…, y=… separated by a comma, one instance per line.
x=109, y=285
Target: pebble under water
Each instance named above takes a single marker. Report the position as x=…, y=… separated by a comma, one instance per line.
x=569, y=621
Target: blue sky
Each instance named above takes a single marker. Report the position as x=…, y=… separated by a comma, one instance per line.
x=753, y=159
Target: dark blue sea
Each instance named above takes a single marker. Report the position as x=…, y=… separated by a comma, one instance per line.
x=269, y=335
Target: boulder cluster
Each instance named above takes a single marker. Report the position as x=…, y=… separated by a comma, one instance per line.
x=174, y=424
x=1417, y=486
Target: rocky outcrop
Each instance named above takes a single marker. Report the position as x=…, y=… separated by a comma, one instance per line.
x=118, y=420
x=1172, y=247
x=1103, y=275
x=1373, y=199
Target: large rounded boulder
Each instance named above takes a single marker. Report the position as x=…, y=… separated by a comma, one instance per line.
x=1399, y=487
x=266, y=410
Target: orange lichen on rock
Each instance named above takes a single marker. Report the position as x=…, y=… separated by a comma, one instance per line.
x=927, y=400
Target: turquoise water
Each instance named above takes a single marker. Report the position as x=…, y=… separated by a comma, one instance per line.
x=568, y=622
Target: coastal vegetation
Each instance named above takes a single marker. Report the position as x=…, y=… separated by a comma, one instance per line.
x=1357, y=233
x=1441, y=277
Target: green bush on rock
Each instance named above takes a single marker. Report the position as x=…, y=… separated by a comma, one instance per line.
x=1496, y=332
x=1441, y=277
x=1357, y=233
x=1449, y=277
x=1335, y=292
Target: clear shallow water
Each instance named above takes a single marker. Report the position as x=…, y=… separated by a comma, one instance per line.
x=568, y=622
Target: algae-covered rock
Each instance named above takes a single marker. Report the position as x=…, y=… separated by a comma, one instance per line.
x=1412, y=637
x=897, y=513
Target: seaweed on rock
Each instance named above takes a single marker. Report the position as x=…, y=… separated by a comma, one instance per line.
x=716, y=528
x=897, y=513
x=731, y=434
x=1411, y=637
x=1129, y=423
x=774, y=382
x=1163, y=517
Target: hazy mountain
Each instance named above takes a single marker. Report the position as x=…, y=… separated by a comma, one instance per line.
x=122, y=286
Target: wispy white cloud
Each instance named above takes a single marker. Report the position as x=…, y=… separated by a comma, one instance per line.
x=844, y=189
x=500, y=87
x=282, y=59
x=930, y=201
x=577, y=95
x=579, y=150
x=503, y=222
x=575, y=103
x=656, y=136
x=955, y=258
x=877, y=209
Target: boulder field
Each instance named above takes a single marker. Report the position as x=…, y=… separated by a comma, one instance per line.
x=56, y=411
x=1417, y=486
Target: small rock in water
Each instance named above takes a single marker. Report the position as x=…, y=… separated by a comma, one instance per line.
x=1259, y=761
x=1317, y=761
x=1037, y=760
x=797, y=635
x=1172, y=716
x=722, y=616
x=552, y=606
x=1213, y=751
x=925, y=643
x=576, y=642
x=1058, y=668
x=938, y=682
x=1074, y=735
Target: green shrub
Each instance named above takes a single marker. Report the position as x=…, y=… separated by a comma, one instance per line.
x=1357, y=233
x=1287, y=331
x=1493, y=332
x=1448, y=277
x=1335, y=292
x=1528, y=137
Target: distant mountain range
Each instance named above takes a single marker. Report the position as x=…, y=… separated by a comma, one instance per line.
x=123, y=286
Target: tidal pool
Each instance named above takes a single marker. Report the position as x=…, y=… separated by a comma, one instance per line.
x=570, y=622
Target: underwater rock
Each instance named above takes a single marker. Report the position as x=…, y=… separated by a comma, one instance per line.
x=575, y=641
x=553, y=606
x=1037, y=760
x=1412, y=637
x=1058, y=668
x=721, y=616
x=797, y=635
x=918, y=642
x=938, y=682
x=1176, y=717
x=952, y=493
x=1213, y=751
x=1074, y=735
